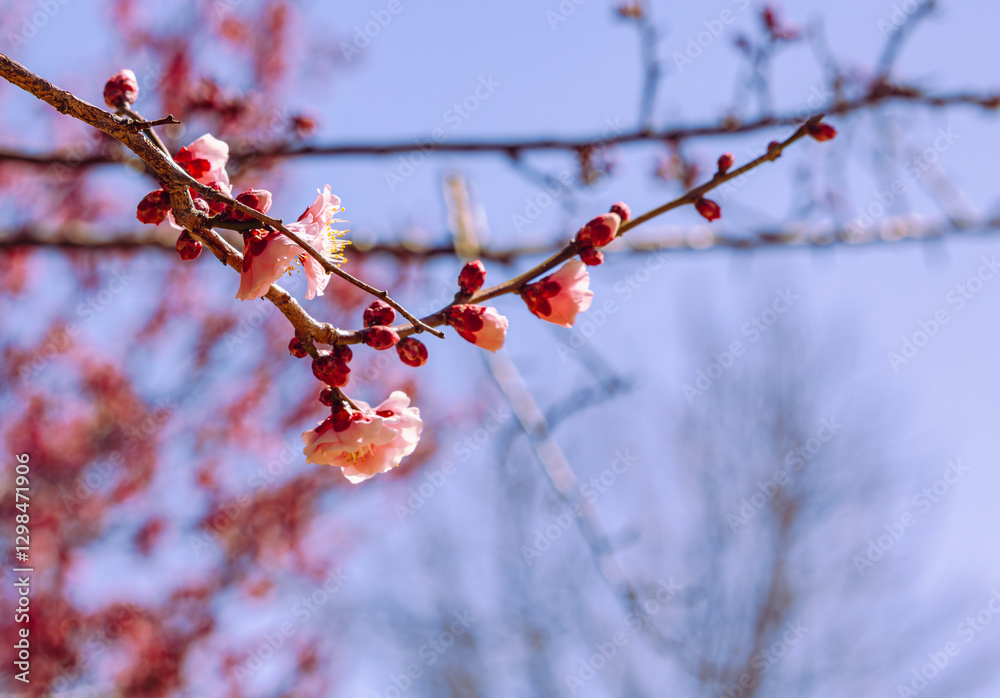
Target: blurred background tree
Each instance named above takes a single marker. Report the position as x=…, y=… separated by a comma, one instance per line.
x=760, y=464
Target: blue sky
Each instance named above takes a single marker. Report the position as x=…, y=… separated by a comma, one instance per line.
x=573, y=78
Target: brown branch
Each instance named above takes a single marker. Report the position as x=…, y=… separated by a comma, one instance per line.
x=515, y=147
x=817, y=237
x=143, y=125
x=176, y=180
x=570, y=250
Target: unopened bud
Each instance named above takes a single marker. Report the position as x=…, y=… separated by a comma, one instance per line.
x=380, y=337
x=297, y=348
x=331, y=370
x=187, y=247
x=412, y=352
x=725, y=162
x=121, y=89
x=708, y=208
x=379, y=313
x=821, y=131
x=257, y=199
x=599, y=231
x=154, y=207
x=591, y=257
x=623, y=211
x=472, y=277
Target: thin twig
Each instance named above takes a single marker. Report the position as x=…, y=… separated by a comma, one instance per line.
x=900, y=229
x=508, y=148
x=177, y=180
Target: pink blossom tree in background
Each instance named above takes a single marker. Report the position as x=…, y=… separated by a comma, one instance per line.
x=626, y=499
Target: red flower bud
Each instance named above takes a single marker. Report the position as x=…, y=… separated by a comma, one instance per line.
x=591, y=257
x=331, y=370
x=379, y=337
x=187, y=247
x=623, y=211
x=725, y=162
x=121, y=89
x=708, y=208
x=773, y=145
x=822, y=132
x=412, y=352
x=342, y=352
x=472, y=277
x=379, y=313
x=297, y=348
x=326, y=397
x=154, y=207
x=599, y=231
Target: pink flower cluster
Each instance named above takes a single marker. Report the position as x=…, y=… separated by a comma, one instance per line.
x=365, y=442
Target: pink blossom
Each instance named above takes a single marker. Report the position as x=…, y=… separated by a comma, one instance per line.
x=313, y=227
x=205, y=160
x=370, y=441
x=267, y=258
x=482, y=326
x=557, y=298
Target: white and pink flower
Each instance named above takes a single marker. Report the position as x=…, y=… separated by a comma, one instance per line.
x=205, y=160
x=368, y=441
x=558, y=297
x=266, y=258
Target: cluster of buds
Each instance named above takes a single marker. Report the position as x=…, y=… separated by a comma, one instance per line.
x=600, y=231
x=377, y=333
x=360, y=439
